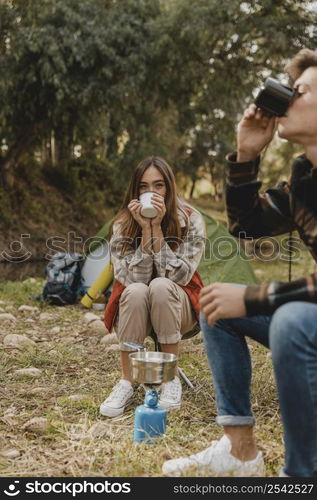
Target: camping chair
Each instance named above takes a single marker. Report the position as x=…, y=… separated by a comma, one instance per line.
x=187, y=335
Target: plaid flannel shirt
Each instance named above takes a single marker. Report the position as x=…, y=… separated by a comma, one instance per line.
x=290, y=206
x=178, y=265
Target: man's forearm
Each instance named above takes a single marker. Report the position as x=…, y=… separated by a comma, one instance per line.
x=265, y=299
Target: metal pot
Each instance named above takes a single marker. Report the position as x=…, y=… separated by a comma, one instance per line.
x=152, y=368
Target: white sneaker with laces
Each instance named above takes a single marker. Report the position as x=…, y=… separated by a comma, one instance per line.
x=216, y=460
x=118, y=399
x=171, y=394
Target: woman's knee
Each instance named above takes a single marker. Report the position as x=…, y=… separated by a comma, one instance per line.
x=161, y=289
x=135, y=294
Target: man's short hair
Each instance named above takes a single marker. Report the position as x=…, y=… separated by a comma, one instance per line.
x=304, y=59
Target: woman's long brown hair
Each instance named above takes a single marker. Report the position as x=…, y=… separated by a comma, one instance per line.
x=170, y=224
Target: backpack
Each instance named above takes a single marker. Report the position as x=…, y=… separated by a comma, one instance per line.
x=63, y=283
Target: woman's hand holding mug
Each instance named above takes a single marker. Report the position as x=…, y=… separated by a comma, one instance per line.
x=158, y=203
x=134, y=207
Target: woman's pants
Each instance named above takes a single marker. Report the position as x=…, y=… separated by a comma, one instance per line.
x=162, y=305
x=291, y=334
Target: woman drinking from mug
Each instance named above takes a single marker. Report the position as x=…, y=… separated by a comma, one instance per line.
x=156, y=281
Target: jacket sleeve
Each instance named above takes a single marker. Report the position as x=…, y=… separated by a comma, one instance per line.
x=179, y=265
x=132, y=267
x=251, y=214
x=265, y=299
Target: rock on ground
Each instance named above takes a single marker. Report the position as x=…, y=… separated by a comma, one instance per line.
x=45, y=316
x=98, y=326
x=12, y=453
x=7, y=317
x=26, y=308
x=29, y=372
x=110, y=338
x=55, y=329
x=38, y=390
x=10, y=308
x=99, y=429
x=77, y=397
x=18, y=341
x=37, y=424
x=113, y=347
x=89, y=317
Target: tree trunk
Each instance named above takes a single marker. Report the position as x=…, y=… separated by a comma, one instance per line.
x=14, y=155
x=53, y=149
x=192, y=188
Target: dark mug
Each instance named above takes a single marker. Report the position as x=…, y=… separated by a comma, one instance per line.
x=274, y=98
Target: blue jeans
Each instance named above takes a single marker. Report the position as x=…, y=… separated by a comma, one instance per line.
x=291, y=334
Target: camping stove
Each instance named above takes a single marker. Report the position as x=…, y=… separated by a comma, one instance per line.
x=150, y=369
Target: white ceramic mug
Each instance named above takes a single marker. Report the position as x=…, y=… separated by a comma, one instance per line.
x=147, y=209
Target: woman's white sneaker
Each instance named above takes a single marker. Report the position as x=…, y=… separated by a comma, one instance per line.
x=216, y=460
x=118, y=399
x=171, y=394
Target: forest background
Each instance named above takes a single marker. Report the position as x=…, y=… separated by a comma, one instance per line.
x=89, y=88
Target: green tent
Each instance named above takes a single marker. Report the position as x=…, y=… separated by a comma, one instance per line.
x=224, y=260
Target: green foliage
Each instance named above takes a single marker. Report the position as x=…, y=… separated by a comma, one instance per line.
x=274, y=160
x=122, y=79
x=85, y=179
x=19, y=292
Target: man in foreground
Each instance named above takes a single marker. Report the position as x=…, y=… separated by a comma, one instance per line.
x=281, y=316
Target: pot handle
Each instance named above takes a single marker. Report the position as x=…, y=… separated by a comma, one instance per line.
x=137, y=347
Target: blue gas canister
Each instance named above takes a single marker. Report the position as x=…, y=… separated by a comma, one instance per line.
x=149, y=419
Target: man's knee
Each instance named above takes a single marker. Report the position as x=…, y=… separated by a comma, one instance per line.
x=135, y=294
x=223, y=324
x=289, y=324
